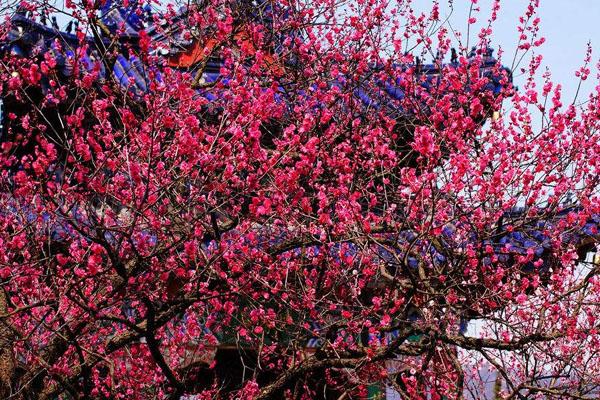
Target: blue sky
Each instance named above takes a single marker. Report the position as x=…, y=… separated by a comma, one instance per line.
x=567, y=25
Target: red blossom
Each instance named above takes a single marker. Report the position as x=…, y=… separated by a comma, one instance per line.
x=265, y=200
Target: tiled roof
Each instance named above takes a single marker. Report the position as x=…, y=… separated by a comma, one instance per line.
x=28, y=37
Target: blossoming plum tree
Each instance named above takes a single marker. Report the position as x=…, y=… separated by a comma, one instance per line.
x=280, y=200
